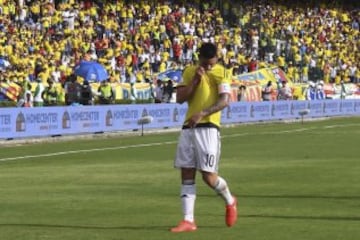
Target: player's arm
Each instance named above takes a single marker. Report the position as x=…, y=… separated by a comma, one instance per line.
x=224, y=91
x=222, y=102
x=184, y=92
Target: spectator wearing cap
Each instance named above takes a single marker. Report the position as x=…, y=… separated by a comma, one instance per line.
x=320, y=93
x=86, y=95
x=311, y=91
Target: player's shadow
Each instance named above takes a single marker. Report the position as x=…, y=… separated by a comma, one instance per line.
x=296, y=217
x=289, y=196
x=161, y=228
x=320, y=197
x=327, y=218
x=90, y=227
x=302, y=197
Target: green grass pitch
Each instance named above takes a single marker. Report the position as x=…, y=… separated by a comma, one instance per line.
x=293, y=181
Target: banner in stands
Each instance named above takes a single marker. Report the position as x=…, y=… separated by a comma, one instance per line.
x=253, y=93
x=123, y=90
x=254, y=81
x=142, y=91
x=263, y=75
x=54, y=121
x=10, y=90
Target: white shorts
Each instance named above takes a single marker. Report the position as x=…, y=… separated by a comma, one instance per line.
x=199, y=148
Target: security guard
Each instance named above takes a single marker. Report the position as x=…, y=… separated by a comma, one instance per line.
x=50, y=94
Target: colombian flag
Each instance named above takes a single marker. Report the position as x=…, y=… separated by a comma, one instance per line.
x=10, y=90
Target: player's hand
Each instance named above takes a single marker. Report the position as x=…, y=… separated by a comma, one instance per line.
x=195, y=119
x=200, y=71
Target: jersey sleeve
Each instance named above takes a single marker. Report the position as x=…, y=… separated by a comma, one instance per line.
x=222, y=79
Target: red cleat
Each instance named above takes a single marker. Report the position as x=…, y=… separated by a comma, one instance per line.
x=184, y=226
x=231, y=213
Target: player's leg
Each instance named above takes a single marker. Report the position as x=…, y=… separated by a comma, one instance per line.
x=188, y=193
x=185, y=160
x=219, y=185
x=208, y=153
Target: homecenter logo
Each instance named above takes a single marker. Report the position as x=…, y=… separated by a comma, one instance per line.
x=109, y=118
x=331, y=107
x=43, y=121
x=357, y=106
x=260, y=111
x=66, y=120
x=126, y=114
x=175, y=115
x=159, y=113
x=85, y=116
x=347, y=107
x=316, y=107
x=20, y=123
x=280, y=109
x=296, y=107
x=85, y=119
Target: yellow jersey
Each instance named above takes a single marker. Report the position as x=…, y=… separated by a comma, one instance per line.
x=213, y=82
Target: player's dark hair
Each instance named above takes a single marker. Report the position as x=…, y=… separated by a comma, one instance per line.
x=208, y=51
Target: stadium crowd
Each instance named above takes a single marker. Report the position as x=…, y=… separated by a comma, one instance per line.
x=135, y=40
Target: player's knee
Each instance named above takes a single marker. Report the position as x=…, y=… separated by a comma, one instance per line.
x=188, y=173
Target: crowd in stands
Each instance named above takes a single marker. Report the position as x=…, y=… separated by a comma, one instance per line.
x=135, y=40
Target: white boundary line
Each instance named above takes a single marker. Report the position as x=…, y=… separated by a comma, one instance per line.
x=166, y=143
x=84, y=151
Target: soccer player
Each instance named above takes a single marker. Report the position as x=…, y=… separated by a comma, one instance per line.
x=206, y=89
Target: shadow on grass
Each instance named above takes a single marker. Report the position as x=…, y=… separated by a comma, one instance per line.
x=301, y=197
x=327, y=218
x=135, y=228
x=290, y=196
x=35, y=225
